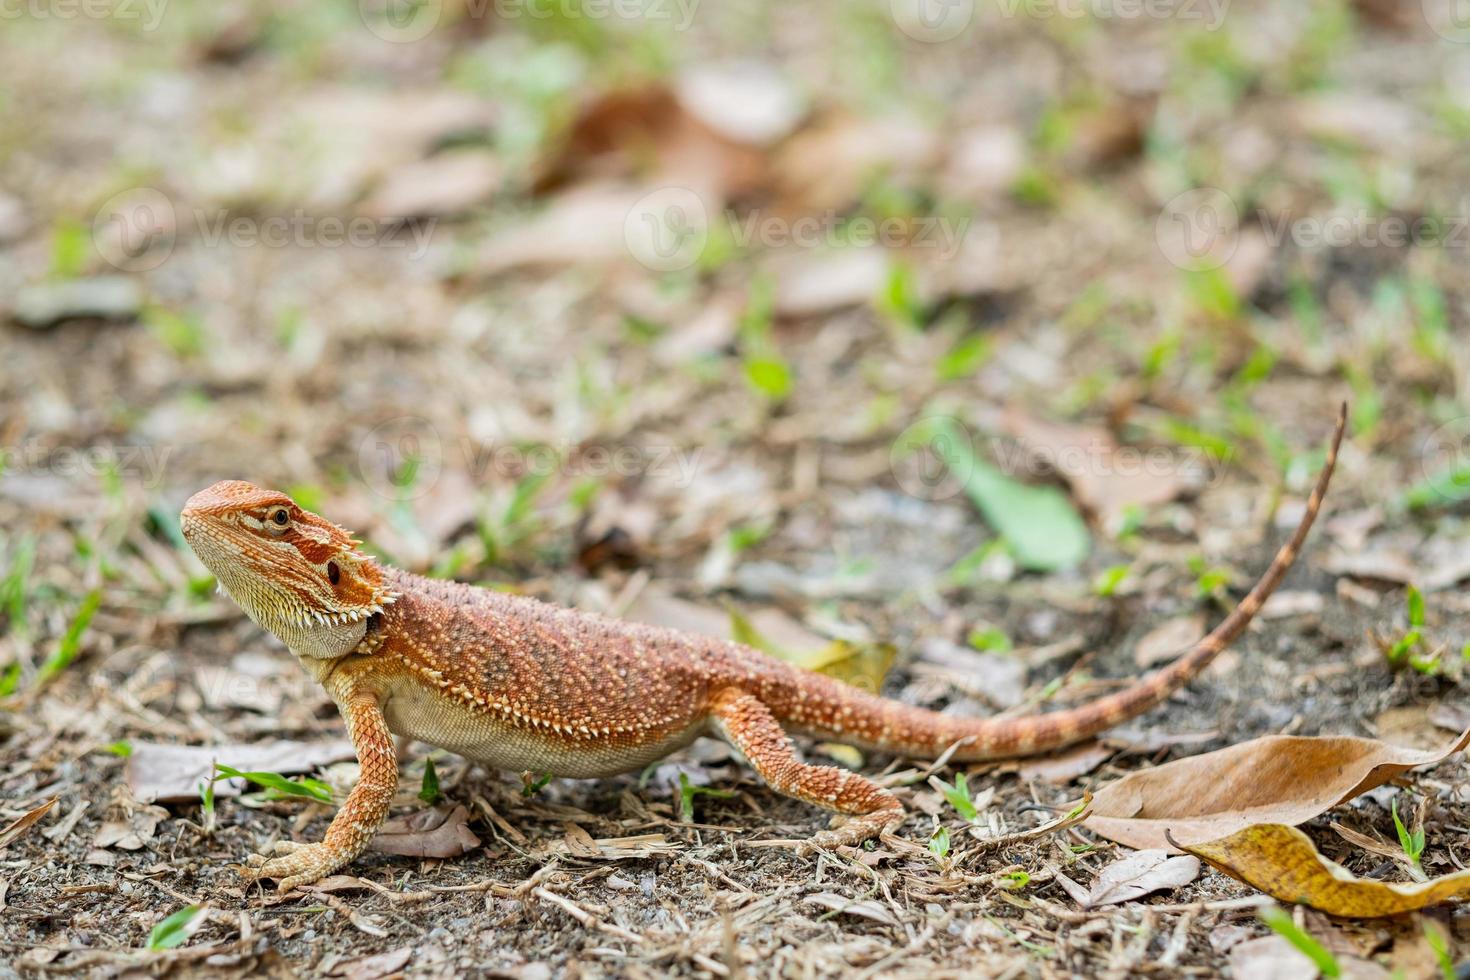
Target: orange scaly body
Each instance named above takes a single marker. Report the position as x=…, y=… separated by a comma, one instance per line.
x=518, y=684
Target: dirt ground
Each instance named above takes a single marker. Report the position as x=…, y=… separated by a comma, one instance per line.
x=618, y=312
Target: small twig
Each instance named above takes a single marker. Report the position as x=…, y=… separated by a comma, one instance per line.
x=909, y=777
x=1178, y=941
x=583, y=916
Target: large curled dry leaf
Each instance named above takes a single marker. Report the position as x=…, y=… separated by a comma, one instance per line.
x=440, y=832
x=1282, y=862
x=1283, y=779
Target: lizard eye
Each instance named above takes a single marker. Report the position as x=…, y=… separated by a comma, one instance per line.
x=280, y=517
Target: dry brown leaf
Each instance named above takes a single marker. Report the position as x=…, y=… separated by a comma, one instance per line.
x=1138, y=874
x=61, y=829
x=133, y=831
x=1063, y=767
x=869, y=909
x=578, y=842
x=646, y=134
x=1271, y=958
x=447, y=184
x=173, y=773
x=1105, y=479
x=827, y=165
x=1276, y=779
x=24, y=822
x=441, y=832
x=1109, y=134
x=1282, y=862
x=374, y=966
x=1373, y=845
x=340, y=883
x=1168, y=640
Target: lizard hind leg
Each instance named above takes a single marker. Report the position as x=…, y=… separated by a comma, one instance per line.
x=748, y=725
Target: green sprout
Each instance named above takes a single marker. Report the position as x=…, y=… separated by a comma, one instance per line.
x=958, y=796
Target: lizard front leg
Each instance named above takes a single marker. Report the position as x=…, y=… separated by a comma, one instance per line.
x=361, y=814
x=748, y=725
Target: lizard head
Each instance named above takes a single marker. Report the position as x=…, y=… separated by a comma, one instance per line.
x=296, y=574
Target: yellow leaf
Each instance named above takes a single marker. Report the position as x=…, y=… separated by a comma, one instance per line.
x=862, y=665
x=1282, y=862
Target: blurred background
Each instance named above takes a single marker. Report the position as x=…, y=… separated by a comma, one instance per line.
x=989, y=327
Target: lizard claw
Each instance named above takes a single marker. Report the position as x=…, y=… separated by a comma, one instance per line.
x=851, y=834
x=279, y=848
x=294, y=864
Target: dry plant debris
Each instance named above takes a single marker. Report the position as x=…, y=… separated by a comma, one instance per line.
x=644, y=319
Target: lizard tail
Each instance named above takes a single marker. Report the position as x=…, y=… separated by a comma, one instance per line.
x=878, y=723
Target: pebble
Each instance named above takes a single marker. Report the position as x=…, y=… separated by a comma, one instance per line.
x=42, y=305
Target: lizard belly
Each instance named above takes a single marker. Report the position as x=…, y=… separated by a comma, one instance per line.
x=492, y=740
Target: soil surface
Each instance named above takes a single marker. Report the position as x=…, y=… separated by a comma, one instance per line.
x=619, y=313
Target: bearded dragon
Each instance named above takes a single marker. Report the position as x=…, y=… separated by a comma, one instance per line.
x=521, y=685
